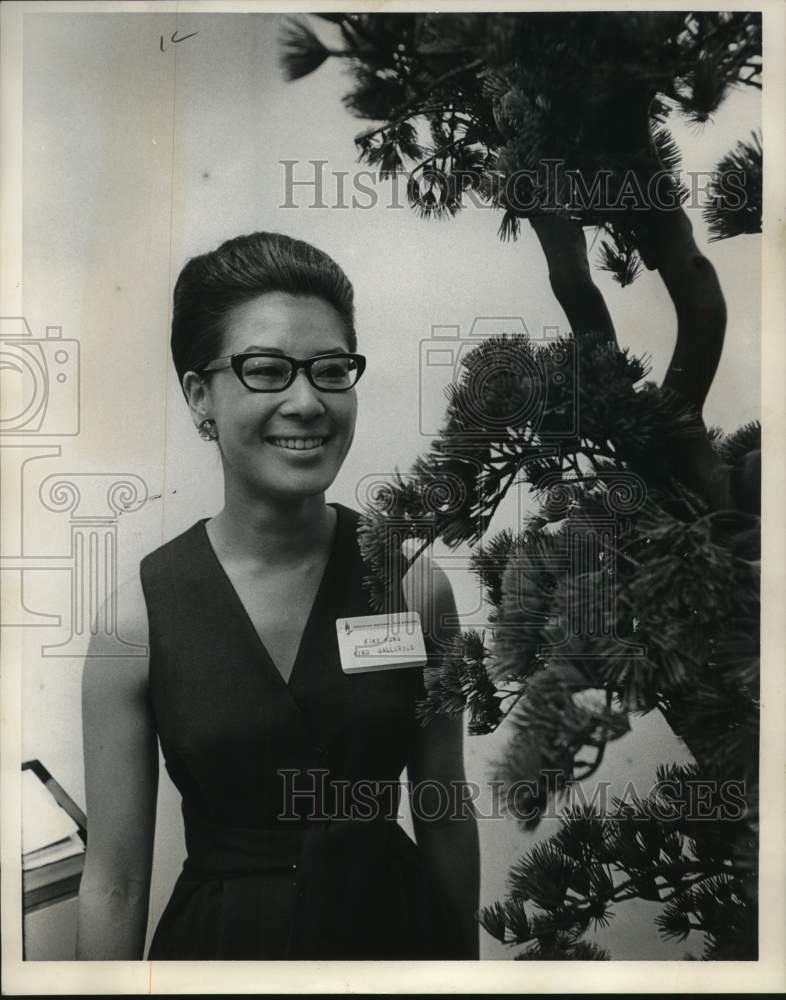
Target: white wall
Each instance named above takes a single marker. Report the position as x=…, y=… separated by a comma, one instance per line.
x=135, y=159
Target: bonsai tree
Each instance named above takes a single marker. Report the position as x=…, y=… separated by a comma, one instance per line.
x=633, y=586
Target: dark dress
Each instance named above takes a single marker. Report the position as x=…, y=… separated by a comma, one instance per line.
x=293, y=849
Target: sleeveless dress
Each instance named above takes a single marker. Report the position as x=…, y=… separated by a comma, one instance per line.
x=289, y=789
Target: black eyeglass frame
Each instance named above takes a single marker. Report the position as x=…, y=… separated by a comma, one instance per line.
x=235, y=362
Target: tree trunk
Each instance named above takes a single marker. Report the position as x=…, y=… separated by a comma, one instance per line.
x=667, y=244
x=693, y=285
x=565, y=247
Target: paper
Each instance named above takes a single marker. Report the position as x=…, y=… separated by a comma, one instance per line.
x=44, y=822
x=67, y=848
x=380, y=642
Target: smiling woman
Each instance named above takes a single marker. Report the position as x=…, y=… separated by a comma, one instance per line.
x=272, y=746
x=265, y=411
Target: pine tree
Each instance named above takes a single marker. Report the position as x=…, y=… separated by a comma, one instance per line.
x=634, y=587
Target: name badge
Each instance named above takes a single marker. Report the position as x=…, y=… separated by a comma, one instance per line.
x=380, y=642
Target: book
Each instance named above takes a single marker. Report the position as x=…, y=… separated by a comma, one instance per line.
x=44, y=822
x=53, y=839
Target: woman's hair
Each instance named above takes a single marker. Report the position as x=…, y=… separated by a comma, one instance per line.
x=212, y=284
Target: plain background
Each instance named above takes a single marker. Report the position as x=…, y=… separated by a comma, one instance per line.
x=136, y=159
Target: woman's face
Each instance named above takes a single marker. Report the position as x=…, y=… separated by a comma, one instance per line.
x=288, y=444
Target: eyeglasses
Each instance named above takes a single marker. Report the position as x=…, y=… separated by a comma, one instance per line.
x=262, y=372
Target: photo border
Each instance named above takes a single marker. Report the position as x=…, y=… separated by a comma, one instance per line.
x=767, y=974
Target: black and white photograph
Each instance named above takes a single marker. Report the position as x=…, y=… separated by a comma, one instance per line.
x=390, y=417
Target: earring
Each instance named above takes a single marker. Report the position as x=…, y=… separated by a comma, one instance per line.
x=208, y=430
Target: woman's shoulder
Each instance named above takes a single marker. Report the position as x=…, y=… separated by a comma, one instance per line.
x=348, y=525
x=131, y=610
x=114, y=679
x=426, y=578
x=180, y=544
x=427, y=587
x=348, y=514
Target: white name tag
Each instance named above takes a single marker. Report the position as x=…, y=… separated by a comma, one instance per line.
x=380, y=642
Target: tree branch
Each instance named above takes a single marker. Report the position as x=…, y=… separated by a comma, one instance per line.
x=565, y=247
x=693, y=286
x=690, y=279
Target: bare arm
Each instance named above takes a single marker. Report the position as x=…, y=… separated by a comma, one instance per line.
x=121, y=782
x=449, y=842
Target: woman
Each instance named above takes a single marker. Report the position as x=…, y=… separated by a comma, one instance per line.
x=269, y=743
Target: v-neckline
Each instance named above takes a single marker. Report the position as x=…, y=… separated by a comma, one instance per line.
x=254, y=635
